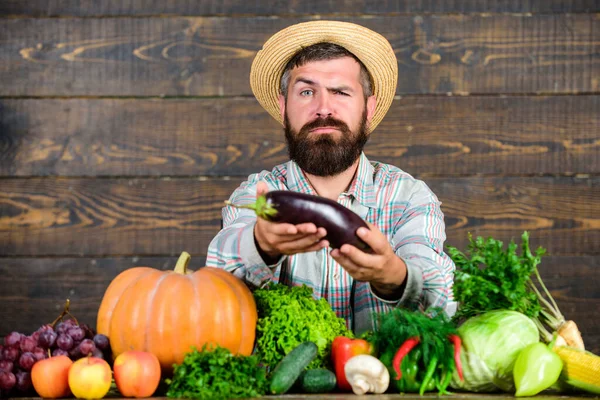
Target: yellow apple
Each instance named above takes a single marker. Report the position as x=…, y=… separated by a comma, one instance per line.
x=90, y=378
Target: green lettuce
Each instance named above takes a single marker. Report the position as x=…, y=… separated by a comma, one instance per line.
x=491, y=343
x=288, y=316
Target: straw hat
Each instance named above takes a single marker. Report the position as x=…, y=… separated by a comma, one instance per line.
x=371, y=48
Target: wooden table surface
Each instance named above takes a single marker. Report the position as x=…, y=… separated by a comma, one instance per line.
x=350, y=396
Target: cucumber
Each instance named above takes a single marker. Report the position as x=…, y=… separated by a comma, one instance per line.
x=318, y=380
x=291, y=366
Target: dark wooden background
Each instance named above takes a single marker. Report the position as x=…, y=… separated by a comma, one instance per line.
x=125, y=124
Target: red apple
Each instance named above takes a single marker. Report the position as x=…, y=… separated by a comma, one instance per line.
x=90, y=378
x=137, y=373
x=50, y=377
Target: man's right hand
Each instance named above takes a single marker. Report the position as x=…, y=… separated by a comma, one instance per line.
x=276, y=239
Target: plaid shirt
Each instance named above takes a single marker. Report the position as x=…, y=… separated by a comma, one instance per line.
x=402, y=207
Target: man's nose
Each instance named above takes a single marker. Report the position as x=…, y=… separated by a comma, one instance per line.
x=324, y=105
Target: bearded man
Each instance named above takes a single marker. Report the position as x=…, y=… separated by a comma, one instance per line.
x=330, y=83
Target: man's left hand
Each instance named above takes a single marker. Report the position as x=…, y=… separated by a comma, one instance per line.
x=383, y=268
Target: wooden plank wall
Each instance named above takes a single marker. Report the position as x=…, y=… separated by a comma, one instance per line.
x=125, y=124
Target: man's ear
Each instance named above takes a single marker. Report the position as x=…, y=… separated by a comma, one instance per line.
x=371, y=105
x=281, y=105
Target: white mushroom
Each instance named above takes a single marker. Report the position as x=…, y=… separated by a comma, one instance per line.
x=366, y=374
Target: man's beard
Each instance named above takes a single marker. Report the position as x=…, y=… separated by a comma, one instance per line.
x=324, y=155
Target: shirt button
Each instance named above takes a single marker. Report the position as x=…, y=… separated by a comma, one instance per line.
x=336, y=276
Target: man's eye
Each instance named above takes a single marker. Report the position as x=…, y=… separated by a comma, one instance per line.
x=306, y=92
x=340, y=92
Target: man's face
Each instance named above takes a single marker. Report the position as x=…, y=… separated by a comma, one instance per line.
x=325, y=115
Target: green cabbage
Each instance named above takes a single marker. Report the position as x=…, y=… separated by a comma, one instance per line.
x=491, y=343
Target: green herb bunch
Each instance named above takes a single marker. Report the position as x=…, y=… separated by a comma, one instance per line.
x=288, y=316
x=215, y=373
x=433, y=329
x=492, y=278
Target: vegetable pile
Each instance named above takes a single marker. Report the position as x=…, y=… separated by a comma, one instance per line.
x=288, y=316
x=504, y=310
x=508, y=335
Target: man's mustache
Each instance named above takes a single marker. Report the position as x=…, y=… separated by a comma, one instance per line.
x=324, y=122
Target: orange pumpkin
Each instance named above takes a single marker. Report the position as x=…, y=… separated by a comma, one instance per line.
x=168, y=312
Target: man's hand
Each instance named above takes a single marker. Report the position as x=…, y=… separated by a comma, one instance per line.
x=275, y=239
x=383, y=269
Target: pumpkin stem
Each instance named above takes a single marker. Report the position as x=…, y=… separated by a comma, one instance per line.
x=182, y=263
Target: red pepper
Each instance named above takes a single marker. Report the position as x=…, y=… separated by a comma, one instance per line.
x=406, y=347
x=342, y=349
x=455, y=339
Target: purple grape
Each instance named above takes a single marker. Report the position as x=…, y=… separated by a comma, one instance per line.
x=89, y=332
x=101, y=341
x=24, y=381
x=10, y=353
x=98, y=354
x=87, y=346
x=76, y=333
x=26, y=361
x=60, y=328
x=59, y=352
x=35, y=336
x=69, y=323
x=8, y=380
x=47, y=339
x=44, y=328
x=6, y=366
x=64, y=341
x=40, y=354
x=28, y=344
x=75, y=353
x=12, y=339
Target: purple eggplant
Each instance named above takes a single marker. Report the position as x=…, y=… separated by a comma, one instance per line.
x=296, y=208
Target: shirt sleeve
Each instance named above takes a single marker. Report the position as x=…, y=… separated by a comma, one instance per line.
x=418, y=240
x=233, y=248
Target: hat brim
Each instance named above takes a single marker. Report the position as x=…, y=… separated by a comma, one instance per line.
x=371, y=48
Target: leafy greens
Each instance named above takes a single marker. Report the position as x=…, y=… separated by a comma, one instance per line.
x=215, y=373
x=288, y=316
x=491, y=278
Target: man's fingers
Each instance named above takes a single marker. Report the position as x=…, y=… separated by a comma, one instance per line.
x=261, y=188
x=282, y=229
x=356, y=256
x=352, y=268
x=303, y=244
x=307, y=228
x=374, y=238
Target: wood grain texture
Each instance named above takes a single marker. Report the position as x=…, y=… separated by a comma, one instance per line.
x=34, y=289
x=53, y=8
x=139, y=217
x=211, y=56
x=441, y=136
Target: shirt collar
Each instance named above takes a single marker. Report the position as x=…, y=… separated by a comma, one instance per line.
x=360, y=189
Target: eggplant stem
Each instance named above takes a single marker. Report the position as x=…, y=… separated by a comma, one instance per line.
x=262, y=207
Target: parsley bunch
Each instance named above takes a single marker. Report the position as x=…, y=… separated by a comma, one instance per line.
x=288, y=316
x=492, y=278
x=215, y=373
